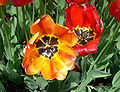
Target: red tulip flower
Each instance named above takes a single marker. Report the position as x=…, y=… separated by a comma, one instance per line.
x=115, y=9
x=76, y=1
x=84, y=21
x=17, y=3
x=3, y=2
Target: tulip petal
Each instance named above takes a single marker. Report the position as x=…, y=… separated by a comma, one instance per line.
x=76, y=1
x=3, y=2
x=44, y=25
x=65, y=35
x=20, y=3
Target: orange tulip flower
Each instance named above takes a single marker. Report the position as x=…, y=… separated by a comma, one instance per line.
x=49, y=50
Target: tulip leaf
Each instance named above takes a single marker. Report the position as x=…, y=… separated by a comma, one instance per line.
x=62, y=4
x=61, y=20
x=68, y=87
x=30, y=83
x=41, y=82
x=53, y=86
x=99, y=74
x=2, y=89
x=15, y=77
x=116, y=80
x=118, y=45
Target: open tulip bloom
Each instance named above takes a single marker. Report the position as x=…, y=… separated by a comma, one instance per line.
x=17, y=3
x=49, y=50
x=115, y=9
x=84, y=21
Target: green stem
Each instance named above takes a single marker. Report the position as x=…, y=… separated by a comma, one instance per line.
x=41, y=7
x=24, y=21
x=106, y=47
x=5, y=32
x=83, y=66
x=33, y=11
x=17, y=15
x=57, y=12
x=108, y=10
x=45, y=7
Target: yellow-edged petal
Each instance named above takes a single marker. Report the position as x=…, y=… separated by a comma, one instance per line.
x=60, y=68
x=48, y=70
x=34, y=66
x=67, y=59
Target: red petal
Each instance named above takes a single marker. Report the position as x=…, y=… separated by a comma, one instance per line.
x=76, y=69
x=82, y=15
x=115, y=9
x=3, y=2
x=76, y=1
x=19, y=3
x=90, y=47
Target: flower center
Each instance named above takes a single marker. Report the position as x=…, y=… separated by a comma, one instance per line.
x=48, y=46
x=84, y=34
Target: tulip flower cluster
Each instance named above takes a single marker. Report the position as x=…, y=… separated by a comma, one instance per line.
x=53, y=48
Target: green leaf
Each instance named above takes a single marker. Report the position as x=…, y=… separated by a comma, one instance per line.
x=114, y=89
x=68, y=87
x=103, y=89
x=13, y=25
x=90, y=76
x=15, y=77
x=99, y=74
x=72, y=78
x=61, y=20
x=41, y=82
x=2, y=89
x=30, y=83
x=62, y=4
x=53, y=86
x=116, y=80
x=104, y=62
x=11, y=10
x=118, y=45
x=1, y=48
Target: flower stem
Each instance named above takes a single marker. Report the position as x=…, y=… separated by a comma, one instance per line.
x=45, y=7
x=33, y=11
x=108, y=10
x=17, y=14
x=57, y=12
x=24, y=21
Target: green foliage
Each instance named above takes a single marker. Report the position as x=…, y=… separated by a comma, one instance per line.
x=15, y=32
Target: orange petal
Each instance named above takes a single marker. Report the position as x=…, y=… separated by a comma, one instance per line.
x=65, y=35
x=34, y=66
x=67, y=49
x=44, y=25
x=31, y=54
x=60, y=68
x=67, y=59
x=33, y=38
x=48, y=70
